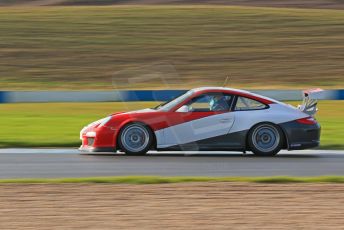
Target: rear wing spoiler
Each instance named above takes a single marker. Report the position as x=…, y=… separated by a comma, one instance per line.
x=310, y=101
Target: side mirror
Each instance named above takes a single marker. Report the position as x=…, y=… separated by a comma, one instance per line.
x=183, y=109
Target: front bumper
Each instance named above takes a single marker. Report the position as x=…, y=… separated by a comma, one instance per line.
x=89, y=149
x=98, y=140
x=302, y=136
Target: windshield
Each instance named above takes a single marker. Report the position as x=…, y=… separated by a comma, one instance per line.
x=166, y=106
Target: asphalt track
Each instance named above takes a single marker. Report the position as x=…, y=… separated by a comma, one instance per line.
x=54, y=163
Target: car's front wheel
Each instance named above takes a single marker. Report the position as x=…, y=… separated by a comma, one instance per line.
x=265, y=139
x=135, y=139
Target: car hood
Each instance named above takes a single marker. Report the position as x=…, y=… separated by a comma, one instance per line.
x=135, y=111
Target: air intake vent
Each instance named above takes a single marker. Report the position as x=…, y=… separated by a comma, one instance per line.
x=90, y=141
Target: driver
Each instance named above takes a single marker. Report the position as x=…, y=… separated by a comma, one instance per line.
x=218, y=103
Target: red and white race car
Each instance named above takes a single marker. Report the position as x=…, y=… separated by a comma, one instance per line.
x=210, y=118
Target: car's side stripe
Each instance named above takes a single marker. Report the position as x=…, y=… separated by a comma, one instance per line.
x=175, y=118
x=244, y=120
x=194, y=130
x=222, y=142
x=159, y=120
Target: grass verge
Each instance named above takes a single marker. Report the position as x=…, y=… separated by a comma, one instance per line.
x=59, y=124
x=182, y=179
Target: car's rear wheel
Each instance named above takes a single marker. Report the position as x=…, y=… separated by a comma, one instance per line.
x=265, y=139
x=135, y=139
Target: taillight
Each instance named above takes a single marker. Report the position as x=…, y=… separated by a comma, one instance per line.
x=307, y=121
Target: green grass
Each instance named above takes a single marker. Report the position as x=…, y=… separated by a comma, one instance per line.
x=53, y=124
x=183, y=179
x=59, y=124
x=84, y=47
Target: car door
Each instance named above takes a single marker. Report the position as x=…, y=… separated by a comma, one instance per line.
x=200, y=120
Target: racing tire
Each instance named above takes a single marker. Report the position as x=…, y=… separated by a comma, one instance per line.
x=265, y=139
x=135, y=139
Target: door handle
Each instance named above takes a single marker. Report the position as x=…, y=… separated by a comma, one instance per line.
x=225, y=120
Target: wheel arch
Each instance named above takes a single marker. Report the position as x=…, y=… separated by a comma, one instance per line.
x=127, y=122
x=284, y=132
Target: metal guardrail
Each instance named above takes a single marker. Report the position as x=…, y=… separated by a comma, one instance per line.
x=138, y=95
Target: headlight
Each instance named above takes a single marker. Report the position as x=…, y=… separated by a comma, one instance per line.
x=91, y=134
x=101, y=123
x=104, y=121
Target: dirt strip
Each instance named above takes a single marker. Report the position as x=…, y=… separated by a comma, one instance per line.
x=172, y=206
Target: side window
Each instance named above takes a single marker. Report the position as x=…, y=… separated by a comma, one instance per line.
x=215, y=102
x=200, y=104
x=244, y=103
